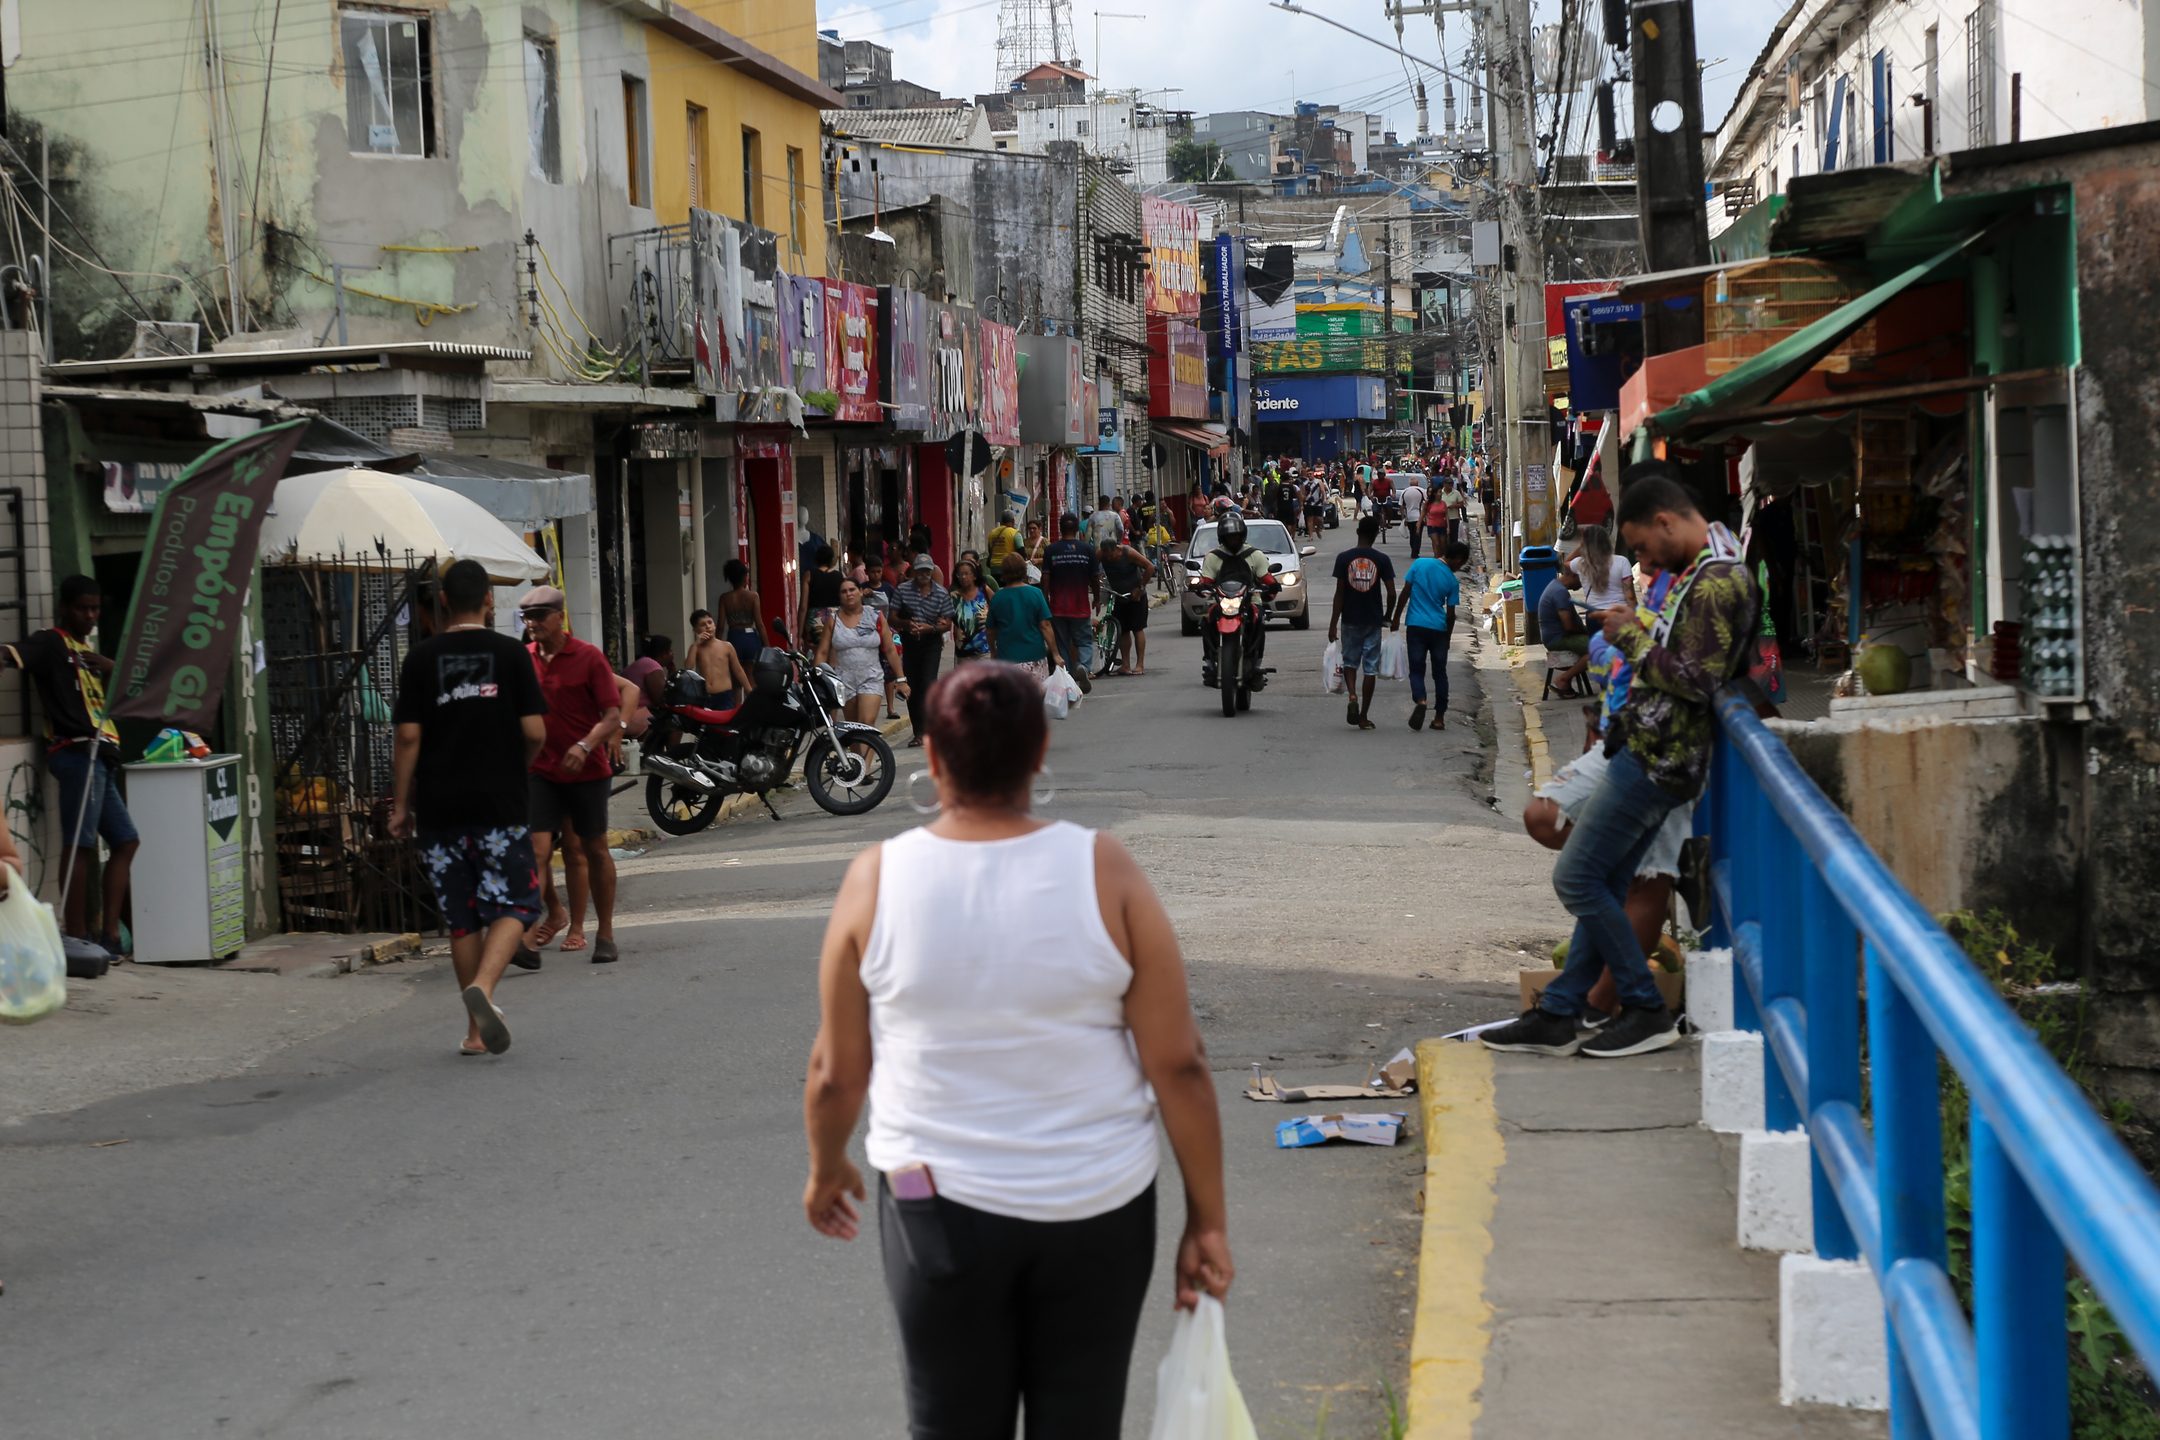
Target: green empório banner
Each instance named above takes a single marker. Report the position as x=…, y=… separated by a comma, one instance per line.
x=189, y=593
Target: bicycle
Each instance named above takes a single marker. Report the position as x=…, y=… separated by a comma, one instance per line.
x=1107, y=633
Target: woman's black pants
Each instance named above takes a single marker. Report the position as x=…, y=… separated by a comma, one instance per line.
x=998, y=1314
x=920, y=656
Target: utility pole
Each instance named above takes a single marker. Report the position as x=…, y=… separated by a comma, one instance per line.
x=1387, y=316
x=1520, y=415
x=1668, y=159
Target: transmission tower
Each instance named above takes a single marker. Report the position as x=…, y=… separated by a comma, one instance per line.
x=1031, y=32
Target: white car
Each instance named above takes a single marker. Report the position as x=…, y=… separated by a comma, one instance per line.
x=1273, y=540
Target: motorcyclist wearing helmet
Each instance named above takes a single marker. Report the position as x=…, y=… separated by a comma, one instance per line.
x=1235, y=557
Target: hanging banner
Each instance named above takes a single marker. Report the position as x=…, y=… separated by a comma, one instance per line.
x=955, y=378
x=1177, y=370
x=851, y=351
x=1229, y=293
x=903, y=338
x=1000, y=383
x=191, y=594
x=1173, y=241
x=800, y=301
x=716, y=303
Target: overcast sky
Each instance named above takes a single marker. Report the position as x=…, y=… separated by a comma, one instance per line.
x=1245, y=55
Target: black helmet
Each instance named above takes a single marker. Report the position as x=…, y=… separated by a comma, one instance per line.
x=1230, y=534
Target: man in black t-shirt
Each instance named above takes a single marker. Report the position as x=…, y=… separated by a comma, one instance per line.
x=1360, y=614
x=469, y=723
x=82, y=750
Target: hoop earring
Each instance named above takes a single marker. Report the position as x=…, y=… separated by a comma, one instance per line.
x=1044, y=796
x=936, y=803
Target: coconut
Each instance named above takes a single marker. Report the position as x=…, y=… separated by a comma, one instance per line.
x=1885, y=669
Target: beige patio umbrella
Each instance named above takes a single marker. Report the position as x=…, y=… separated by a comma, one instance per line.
x=334, y=515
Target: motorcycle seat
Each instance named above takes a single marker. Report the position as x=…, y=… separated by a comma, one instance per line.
x=710, y=717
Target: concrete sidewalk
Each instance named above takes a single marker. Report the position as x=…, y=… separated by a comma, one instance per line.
x=1580, y=1272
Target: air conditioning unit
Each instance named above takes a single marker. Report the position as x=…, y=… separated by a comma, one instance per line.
x=165, y=337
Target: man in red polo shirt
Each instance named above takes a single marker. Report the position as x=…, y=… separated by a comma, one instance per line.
x=568, y=782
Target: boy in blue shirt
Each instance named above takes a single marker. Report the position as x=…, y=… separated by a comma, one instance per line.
x=1430, y=594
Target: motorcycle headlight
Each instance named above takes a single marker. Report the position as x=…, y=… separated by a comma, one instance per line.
x=1230, y=607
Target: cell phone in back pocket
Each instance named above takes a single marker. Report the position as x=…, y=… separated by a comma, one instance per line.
x=911, y=1182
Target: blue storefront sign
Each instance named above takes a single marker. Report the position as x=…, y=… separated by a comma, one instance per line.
x=1320, y=397
x=1328, y=411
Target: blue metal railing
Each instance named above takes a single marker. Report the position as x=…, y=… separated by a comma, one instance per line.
x=1798, y=895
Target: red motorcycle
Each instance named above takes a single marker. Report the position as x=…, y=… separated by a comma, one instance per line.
x=1235, y=635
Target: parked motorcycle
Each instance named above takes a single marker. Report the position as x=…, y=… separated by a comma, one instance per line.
x=1236, y=622
x=709, y=753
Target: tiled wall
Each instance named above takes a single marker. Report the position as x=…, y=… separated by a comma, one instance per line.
x=22, y=463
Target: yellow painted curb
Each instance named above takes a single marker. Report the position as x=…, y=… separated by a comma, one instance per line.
x=1463, y=1155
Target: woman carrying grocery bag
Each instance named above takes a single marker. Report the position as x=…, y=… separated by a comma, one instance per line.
x=1005, y=990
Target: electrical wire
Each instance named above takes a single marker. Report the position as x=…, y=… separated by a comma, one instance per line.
x=142, y=311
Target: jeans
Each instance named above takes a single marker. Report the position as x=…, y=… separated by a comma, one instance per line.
x=79, y=765
x=996, y=1311
x=1615, y=830
x=920, y=656
x=1360, y=648
x=1424, y=641
x=1076, y=641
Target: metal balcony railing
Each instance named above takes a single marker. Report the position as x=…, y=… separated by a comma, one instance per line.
x=1797, y=892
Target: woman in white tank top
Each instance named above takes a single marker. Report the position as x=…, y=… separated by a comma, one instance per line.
x=1008, y=996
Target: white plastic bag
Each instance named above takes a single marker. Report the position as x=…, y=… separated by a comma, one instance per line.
x=33, y=966
x=1331, y=667
x=1196, y=1397
x=1065, y=685
x=1057, y=704
x=1394, y=656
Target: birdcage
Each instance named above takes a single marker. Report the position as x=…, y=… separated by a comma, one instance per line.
x=1750, y=307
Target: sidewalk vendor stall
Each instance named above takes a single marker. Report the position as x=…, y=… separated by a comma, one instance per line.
x=346, y=557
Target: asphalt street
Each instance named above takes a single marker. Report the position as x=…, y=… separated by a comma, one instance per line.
x=600, y=1233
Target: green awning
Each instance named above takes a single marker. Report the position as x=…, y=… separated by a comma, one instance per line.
x=1765, y=377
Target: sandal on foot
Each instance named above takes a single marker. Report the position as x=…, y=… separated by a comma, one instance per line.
x=525, y=958
x=1366, y=725
x=573, y=942
x=1417, y=715
x=544, y=933
x=465, y=1048
x=604, y=952
x=494, y=1032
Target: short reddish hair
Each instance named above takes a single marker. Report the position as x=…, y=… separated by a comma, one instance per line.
x=986, y=718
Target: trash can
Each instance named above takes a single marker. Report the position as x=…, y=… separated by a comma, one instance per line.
x=1540, y=567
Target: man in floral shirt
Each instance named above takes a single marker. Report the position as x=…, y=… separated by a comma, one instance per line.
x=1658, y=744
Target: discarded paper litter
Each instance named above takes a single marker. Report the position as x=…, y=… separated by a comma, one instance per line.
x=1391, y=1081
x=1376, y=1129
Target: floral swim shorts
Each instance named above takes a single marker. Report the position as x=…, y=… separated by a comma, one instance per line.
x=482, y=873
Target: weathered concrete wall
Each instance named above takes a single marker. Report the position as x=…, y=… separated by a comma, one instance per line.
x=1003, y=227
x=2117, y=199
x=1969, y=814
x=128, y=108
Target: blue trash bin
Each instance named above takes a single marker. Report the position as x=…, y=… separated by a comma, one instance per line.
x=1540, y=567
